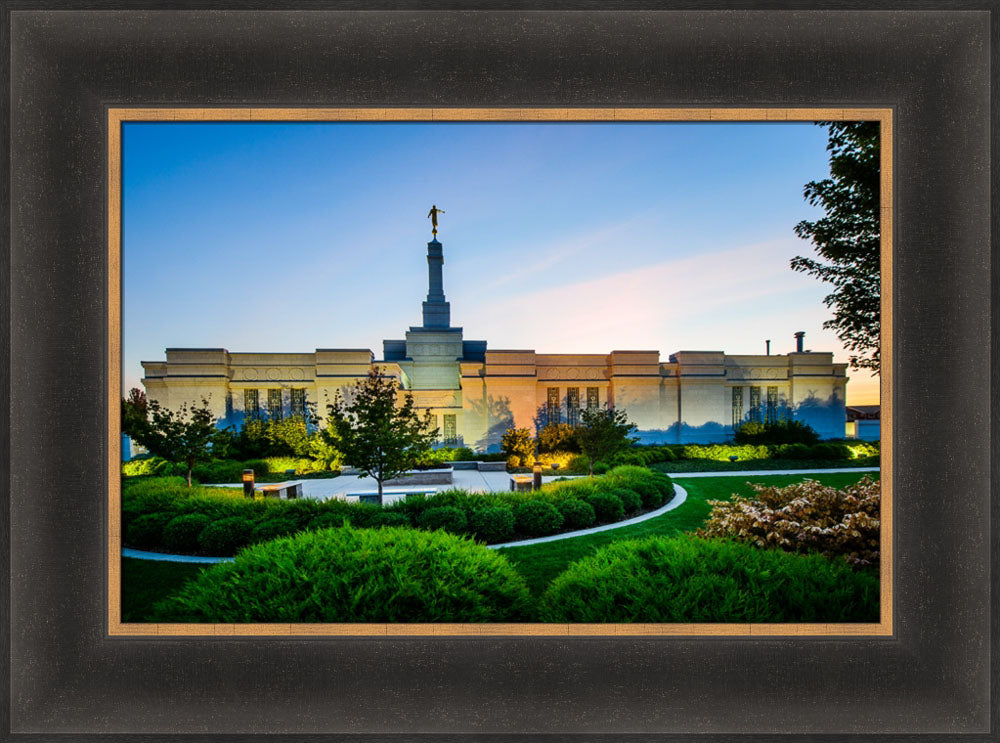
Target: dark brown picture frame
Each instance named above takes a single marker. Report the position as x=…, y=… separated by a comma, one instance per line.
x=70, y=63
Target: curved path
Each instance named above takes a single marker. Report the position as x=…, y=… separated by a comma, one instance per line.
x=680, y=495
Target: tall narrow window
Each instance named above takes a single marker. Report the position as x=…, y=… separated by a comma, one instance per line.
x=755, y=404
x=593, y=398
x=298, y=406
x=737, y=407
x=274, y=404
x=573, y=406
x=251, y=404
x=552, y=406
x=772, y=404
x=435, y=427
x=450, y=430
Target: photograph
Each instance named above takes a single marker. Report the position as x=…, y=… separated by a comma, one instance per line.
x=524, y=373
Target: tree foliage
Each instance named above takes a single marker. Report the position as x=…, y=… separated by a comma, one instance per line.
x=846, y=238
x=517, y=442
x=135, y=412
x=185, y=435
x=558, y=437
x=603, y=433
x=375, y=433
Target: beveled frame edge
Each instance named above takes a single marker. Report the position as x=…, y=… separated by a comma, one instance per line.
x=116, y=116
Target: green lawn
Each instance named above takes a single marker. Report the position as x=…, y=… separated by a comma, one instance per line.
x=144, y=582
x=540, y=563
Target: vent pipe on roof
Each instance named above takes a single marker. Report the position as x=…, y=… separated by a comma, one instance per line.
x=799, y=341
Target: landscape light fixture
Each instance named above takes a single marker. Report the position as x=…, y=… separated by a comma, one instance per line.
x=537, y=472
x=248, y=483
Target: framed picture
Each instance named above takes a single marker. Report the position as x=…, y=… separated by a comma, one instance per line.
x=271, y=415
x=78, y=76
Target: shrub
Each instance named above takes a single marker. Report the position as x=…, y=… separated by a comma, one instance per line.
x=631, y=500
x=273, y=528
x=831, y=451
x=804, y=517
x=493, y=524
x=355, y=575
x=652, y=487
x=537, y=518
x=449, y=518
x=558, y=437
x=219, y=470
x=513, y=462
x=563, y=460
x=697, y=580
x=776, y=432
x=150, y=467
x=389, y=518
x=577, y=514
x=722, y=452
x=608, y=507
x=517, y=442
x=601, y=468
x=794, y=451
x=147, y=531
x=328, y=520
x=226, y=536
x=181, y=533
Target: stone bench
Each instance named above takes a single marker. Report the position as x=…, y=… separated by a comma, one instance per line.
x=423, y=477
x=492, y=466
x=285, y=490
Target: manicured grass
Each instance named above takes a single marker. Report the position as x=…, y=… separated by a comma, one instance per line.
x=741, y=465
x=144, y=582
x=541, y=563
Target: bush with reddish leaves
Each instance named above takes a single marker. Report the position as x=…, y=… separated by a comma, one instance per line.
x=805, y=517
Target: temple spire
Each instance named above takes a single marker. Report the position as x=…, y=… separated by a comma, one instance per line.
x=437, y=312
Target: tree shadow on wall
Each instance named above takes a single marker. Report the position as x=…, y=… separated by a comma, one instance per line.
x=498, y=417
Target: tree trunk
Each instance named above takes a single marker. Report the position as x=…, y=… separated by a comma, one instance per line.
x=380, y=493
x=190, y=468
x=591, y=459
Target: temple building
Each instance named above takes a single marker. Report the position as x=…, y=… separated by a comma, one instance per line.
x=475, y=393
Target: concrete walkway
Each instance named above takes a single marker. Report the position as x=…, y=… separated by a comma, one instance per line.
x=336, y=487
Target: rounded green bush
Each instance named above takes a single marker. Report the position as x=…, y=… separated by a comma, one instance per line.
x=631, y=500
x=608, y=507
x=449, y=518
x=147, y=531
x=537, y=518
x=577, y=514
x=328, y=520
x=277, y=526
x=389, y=518
x=601, y=468
x=686, y=579
x=355, y=575
x=492, y=524
x=795, y=451
x=181, y=533
x=830, y=451
x=226, y=536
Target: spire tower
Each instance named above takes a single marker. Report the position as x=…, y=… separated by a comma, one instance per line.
x=437, y=312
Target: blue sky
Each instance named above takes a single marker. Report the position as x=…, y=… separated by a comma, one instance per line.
x=558, y=237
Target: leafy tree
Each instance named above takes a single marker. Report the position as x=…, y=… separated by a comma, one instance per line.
x=558, y=437
x=375, y=433
x=847, y=238
x=517, y=442
x=135, y=413
x=185, y=436
x=603, y=433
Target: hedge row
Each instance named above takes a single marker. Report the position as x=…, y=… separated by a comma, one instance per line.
x=218, y=470
x=398, y=575
x=163, y=514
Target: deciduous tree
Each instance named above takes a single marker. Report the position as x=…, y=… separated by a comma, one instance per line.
x=376, y=432
x=846, y=238
x=603, y=433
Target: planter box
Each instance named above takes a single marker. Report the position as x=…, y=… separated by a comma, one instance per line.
x=423, y=477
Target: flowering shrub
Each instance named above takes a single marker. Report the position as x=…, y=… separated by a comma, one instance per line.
x=805, y=517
